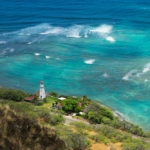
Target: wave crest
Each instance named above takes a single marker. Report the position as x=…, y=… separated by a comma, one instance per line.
x=129, y=74
x=75, y=31
x=3, y=42
x=146, y=68
x=89, y=61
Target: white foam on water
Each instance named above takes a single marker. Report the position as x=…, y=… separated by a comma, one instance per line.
x=74, y=31
x=7, y=50
x=86, y=34
x=29, y=43
x=105, y=75
x=36, y=54
x=129, y=74
x=146, y=80
x=89, y=61
x=20, y=33
x=31, y=30
x=73, y=35
x=3, y=42
x=12, y=50
x=119, y=115
x=53, y=30
x=110, y=39
x=47, y=57
x=146, y=68
x=103, y=29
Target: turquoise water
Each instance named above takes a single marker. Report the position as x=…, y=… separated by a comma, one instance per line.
x=100, y=49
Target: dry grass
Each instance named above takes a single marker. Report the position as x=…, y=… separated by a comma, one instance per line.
x=21, y=132
x=101, y=146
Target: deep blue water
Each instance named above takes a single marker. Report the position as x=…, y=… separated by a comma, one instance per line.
x=96, y=48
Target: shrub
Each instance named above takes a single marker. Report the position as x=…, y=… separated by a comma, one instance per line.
x=70, y=105
x=43, y=113
x=79, y=141
x=81, y=125
x=39, y=103
x=56, y=119
x=99, y=138
x=106, y=120
x=45, y=100
x=133, y=146
x=12, y=94
x=54, y=94
x=95, y=112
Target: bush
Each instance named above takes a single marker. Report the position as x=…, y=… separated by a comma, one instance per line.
x=39, y=103
x=106, y=120
x=70, y=105
x=54, y=94
x=79, y=141
x=81, y=125
x=45, y=100
x=56, y=119
x=98, y=114
x=138, y=145
x=99, y=138
x=43, y=113
x=11, y=94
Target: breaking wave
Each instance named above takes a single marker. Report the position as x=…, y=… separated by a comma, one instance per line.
x=3, y=42
x=47, y=57
x=36, y=54
x=105, y=75
x=146, y=68
x=103, y=29
x=110, y=39
x=136, y=73
x=75, y=31
x=89, y=61
x=7, y=50
x=129, y=74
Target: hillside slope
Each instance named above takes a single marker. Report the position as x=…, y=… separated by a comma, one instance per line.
x=18, y=132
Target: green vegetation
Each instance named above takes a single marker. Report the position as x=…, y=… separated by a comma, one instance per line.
x=74, y=140
x=19, y=132
x=71, y=105
x=96, y=113
x=106, y=134
x=136, y=144
x=105, y=127
x=11, y=94
x=35, y=112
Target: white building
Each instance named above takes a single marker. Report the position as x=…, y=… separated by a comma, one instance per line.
x=42, y=93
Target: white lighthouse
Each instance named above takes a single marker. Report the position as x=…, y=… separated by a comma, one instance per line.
x=42, y=93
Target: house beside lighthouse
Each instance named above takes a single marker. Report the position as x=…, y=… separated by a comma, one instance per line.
x=42, y=93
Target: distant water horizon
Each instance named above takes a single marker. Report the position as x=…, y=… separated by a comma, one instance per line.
x=96, y=48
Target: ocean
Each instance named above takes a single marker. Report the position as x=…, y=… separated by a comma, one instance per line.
x=96, y=48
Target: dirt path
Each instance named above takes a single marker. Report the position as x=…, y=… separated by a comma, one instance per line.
x=69, y=119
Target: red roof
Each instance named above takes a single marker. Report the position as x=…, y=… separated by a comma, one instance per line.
x=37, y=93
x=30, y=98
